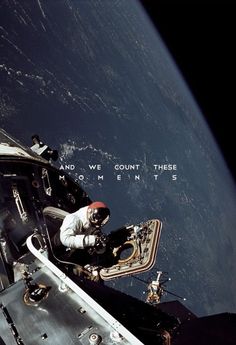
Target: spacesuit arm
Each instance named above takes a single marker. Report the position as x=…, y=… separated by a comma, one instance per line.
x=70, y=238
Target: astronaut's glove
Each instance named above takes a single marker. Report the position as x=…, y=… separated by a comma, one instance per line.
x=101, y=243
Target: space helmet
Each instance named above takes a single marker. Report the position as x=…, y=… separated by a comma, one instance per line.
x=98, y=214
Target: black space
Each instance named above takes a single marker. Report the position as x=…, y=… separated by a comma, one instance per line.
x=201, y=37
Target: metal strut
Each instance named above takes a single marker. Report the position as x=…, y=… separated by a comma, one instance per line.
x=46, y=183
x=19, y=204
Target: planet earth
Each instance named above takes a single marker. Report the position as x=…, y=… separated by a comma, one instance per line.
x=96, y=82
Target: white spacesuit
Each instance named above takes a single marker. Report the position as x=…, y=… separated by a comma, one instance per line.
x=81, y=228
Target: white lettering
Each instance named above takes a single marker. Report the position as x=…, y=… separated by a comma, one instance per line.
x=126, y=166
x=67, y=167
x=165, y=166
x=95, y=166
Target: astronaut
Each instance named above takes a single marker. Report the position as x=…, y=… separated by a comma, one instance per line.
x=82, y=228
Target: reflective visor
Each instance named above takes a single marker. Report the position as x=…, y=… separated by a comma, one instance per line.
x=100, y=216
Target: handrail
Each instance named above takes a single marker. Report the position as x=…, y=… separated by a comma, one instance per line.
x=115, y=324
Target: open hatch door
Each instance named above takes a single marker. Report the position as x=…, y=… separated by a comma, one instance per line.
x=138, y=253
